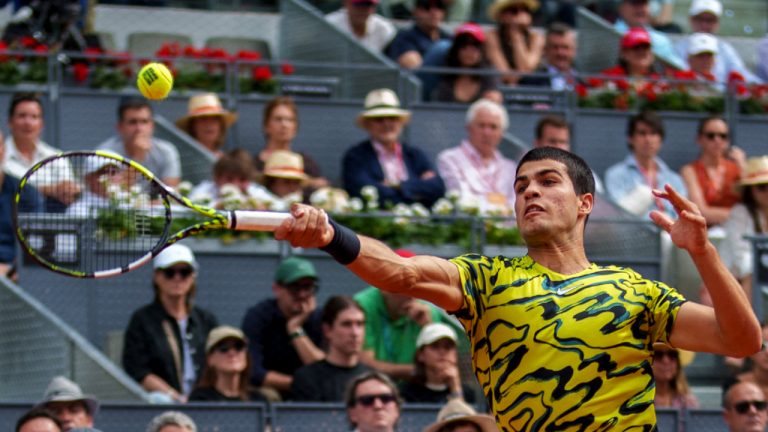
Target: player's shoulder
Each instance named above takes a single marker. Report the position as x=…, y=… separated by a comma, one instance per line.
x=481, y=262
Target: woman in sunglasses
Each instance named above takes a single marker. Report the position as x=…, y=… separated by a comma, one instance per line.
x=711, y=179
x=227, y=373
x=746, y=219
x=672, y=390
x=164, y=347
x=513, y=46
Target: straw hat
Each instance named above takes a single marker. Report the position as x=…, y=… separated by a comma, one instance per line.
x=285, y=164
x=498, y=6
x=205, y=105
x=756, y=171
x=382, y=103
x=457, y=410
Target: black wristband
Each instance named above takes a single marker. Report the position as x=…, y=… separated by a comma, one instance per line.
x=345, y=245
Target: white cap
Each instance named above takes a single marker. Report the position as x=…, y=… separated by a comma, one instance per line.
x=174, y=254
x=700, y=6
x=433, y=332
x=699, y=43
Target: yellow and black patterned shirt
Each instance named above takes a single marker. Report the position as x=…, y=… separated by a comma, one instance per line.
x=557, y=352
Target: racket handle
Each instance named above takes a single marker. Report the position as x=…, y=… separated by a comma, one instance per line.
x=243, y=220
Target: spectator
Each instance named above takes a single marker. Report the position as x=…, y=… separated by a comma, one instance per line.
x=436, y=378
x=746, y=219
x=281, y=123
x=359, y=19
x=554, y=131
x=172, y=421
x=344, y=331
x=513, y=48
x=744, y=408
x=476, y=168
x=662, y=14
x=227, y=373
x=207, y=122
x=373, y=403
x=285, y=179
x=762, y=59
x=701, y=56
x=135, y=140
x=24, y=148
x=635, y=58
x=712, y=179
x=410, y=45
x=234, y=168
x=400, y=172
x=392, y=325
x=704, y=16
x=164, y=348
x=758, y=369
x=38, y=420
x=636, y=14
x=67, y=402
x=30, y=202
x=467, y=52
x=672, y=390
x=98, y=174
x=285, y=331
x=457, y=416
x=559, y=53
x=629, y=182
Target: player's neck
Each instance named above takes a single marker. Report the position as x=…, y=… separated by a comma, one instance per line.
x=338, y=358
x=562, y=258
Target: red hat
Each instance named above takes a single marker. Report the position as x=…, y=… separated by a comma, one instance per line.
x=471, y=29
x=635, y=37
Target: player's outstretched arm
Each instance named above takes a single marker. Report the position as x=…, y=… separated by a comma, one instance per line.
x=426, y=277
x=731, y=328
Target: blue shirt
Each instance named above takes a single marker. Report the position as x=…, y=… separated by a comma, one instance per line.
x=622, y=179
x=660, y=43
x=413, y=39
x=31, y=202
x=762, y=55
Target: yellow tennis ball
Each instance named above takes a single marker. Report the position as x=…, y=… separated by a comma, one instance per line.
x=155, y=81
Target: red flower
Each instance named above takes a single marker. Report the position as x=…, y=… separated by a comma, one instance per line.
x=169, y=50
x=28, y=42
x=41, y=49
x=741, y=90
x=287, y=69
x=622, y=85
x=248, y=55
x=127, y=72
x=614, y=71
x=684, y=75
x=648, y=92
x=191, y=51
x=92, y=53
x=621, y=102
x=262, y=73
x=124, y=58
x=3, y=48
x=735, y=77
x=80, y=72
x=595, y=82
x=581, y=90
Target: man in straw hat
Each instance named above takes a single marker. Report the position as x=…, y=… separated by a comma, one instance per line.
x=66, y=400
x=207, y=121
x=401, y=173
x=558, y=342
x=457, y=416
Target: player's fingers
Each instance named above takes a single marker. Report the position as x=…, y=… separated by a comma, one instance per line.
x=678, y=201
x=661, y=220
x=694, y=217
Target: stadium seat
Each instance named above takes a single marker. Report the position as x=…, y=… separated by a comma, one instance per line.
x=235, y=44
x=145, y=44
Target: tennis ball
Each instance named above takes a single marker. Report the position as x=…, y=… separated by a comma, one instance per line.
x=154, y=81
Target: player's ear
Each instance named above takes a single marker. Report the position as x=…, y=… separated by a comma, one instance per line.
x=586, y=203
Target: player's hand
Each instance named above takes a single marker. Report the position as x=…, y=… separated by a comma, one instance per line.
x=689, y=231
x=419, y=312
x=308, y=228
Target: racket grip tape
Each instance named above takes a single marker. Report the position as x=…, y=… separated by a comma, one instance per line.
x=243, y=220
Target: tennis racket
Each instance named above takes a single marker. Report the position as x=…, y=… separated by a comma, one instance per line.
x=117, y=218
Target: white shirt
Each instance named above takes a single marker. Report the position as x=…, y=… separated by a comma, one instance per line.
x=378, y=30
x=17, y=165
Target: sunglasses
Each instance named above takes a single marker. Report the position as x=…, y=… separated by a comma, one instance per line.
x=296, y=288
x=713, y=135
x=225, y=347
x=369, y=400
x=514, y=10
x=743, y=406
x=658, y=355
x=171, y=272
x=761, y=187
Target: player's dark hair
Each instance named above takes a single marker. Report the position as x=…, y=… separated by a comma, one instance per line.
x=24, y=97
x=131, y=103
x=36, y=413
x=578, y=171
x=336, y=305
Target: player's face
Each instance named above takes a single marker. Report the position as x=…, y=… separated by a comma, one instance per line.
x=347, y=332
x=546, y=206
x=645, y=142
x=26, y=123
x=71, y=414
x=377, y=415
x=385, y=130
x=282, y=125
x=742, y=398
x=228, y=356
x=485, y=131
